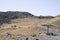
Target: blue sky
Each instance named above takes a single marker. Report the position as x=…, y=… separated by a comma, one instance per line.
x=36, y=7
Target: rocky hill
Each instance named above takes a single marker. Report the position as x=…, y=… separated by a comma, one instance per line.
x=6, y=17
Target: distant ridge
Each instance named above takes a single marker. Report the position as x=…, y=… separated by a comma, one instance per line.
x=58, y=16
x=16, y=14
x=5, y=17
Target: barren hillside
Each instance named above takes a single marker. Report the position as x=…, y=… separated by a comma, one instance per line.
x=30, y=25
x=24, y=26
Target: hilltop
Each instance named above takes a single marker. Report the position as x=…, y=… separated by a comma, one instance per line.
x=6, y=17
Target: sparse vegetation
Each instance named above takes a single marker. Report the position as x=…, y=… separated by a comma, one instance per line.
x=26, y=25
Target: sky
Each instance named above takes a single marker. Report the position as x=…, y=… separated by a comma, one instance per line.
x=35, y=7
